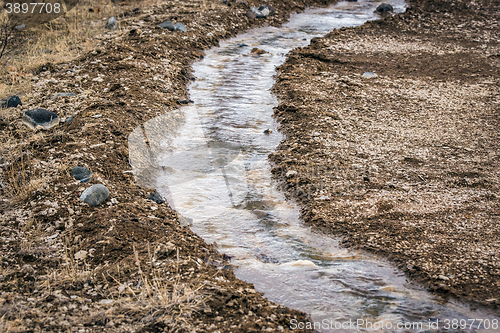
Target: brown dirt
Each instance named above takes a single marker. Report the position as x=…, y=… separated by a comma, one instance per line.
x=126, y=265
x=405, y=164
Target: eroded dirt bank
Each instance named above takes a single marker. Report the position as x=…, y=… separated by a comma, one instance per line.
x=125, y=265
x=407, y=163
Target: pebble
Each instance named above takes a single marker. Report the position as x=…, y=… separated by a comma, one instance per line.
x=369, y=75
x=81, y=255
x=10, y=102
x=185, y=222
x=180, y=27
x=40, y=117
x=167, y=25
x=267, y=131
x=384, y=8
x=112, y=24
x=156, y=197
x=64, y=95
x=262, y=11
x=81, y=173
x=95, y=195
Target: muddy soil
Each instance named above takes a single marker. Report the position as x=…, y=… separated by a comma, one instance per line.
x=126, y=265
x=405, y=164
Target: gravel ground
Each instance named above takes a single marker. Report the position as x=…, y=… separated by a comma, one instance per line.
x=126, y=265
x=405, y=164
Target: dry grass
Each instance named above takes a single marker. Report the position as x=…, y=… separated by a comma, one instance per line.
x=58, y=41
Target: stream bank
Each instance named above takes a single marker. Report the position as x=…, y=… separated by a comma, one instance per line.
x=405, y=164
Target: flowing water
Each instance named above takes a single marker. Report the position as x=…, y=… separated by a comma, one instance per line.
x=209, y=159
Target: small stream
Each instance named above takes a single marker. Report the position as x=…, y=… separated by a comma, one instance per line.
x=209, y=159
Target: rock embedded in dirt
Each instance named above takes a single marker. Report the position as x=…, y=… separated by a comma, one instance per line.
x=156, y=197
x=81, y=173
x=112, y=24
x=369, y=75
x=384, y=8
x=40, y=117
x=95, y=195
x=262, y=12
x=11, y=102
x=169, y=25
x=251, y=15
x=64, y=95
x=180, y=27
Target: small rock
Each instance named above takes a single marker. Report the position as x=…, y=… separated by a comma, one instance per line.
x=21, y=26
x=366, y=179
x=263, y=11
x=106, y=301
x=384, y=8
x=185, y=222
x=95, y=195
x=80, y=173
x=369, y=75
x=267, y=131
x=11, y=102
x=291, y=173
x=40, y=117
x=81, y=255
x=180, y=27
x=156, y=197
x=64, y=95
x=251, y=15
x=167, y=25
x=242, y=45
x=28, y=269
x=257, y=51
x=112, y=24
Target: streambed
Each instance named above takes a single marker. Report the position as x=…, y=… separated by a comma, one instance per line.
x=209, y=159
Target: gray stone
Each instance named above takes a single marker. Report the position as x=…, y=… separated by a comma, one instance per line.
x=180, y=27
x=64, y=95
x=384, y=8
x=156, y=197
x=251, y=15
x=112, y=24
x=185, y=222
x=263, y=11
x=11, y=102
x=95, y=195
x=369, y=75
x=80, y=173
x=167, y=25
x=40, y=117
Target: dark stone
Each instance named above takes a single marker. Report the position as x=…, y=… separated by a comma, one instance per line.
x=267, y=131
x=95, y=195
x=11, y=102
x=384, y=8
x=366, y=179
x=167, y=25
x=80, y=173
x=40, y=117
x=242, y=45
x=183, y=101
x=156, y=197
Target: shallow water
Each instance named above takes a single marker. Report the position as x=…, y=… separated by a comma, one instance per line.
x=209, y=159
